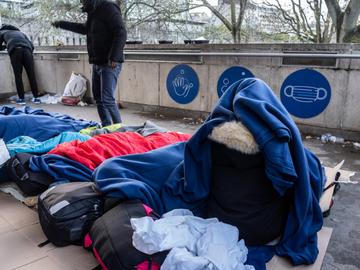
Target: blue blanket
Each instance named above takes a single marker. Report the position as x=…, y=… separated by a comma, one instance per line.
x=25, y=144
x=11, y=110
x=36, y=123
x=140, y=176
x=185, y=183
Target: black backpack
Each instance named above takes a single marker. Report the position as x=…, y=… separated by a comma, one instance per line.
x=67, y=211
x=30, y=183
x=110, y=239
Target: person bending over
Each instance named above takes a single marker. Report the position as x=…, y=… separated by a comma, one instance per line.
x=20, y=50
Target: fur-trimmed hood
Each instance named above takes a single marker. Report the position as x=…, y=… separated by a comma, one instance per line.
x=235, y=136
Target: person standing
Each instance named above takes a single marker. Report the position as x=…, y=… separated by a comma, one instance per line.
x=106, y=37
x=20, y=50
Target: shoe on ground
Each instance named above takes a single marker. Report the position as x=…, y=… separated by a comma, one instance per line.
x=20, y=101
x=36, y=100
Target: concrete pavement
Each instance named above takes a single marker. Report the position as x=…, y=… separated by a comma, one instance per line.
x=344, y=248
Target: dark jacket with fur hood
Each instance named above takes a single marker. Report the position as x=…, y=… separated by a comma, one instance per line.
x=240, y=193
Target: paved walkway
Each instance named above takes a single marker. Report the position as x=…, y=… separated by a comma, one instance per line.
x=22, y=232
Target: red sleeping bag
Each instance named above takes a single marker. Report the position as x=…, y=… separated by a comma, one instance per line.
x=99, y=148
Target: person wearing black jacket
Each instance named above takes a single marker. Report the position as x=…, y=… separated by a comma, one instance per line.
x=106, y=37
x=20, y=50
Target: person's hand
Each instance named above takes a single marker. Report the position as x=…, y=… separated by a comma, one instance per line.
x=56, y=24
x=113, y=64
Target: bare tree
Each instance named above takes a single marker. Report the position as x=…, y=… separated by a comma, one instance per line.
x=145, y=10
x=48, y=11
x=6, y=13
x=136, y=13
x=307, y=20
x=234, y=23
x=39, y=14
x=168, y=15
x=345, y=20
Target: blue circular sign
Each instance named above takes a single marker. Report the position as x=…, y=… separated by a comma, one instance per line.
x=231, y=75
x=182, y=84
x=305, y=93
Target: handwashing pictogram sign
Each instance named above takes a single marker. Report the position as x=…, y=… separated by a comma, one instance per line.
x=182, y=84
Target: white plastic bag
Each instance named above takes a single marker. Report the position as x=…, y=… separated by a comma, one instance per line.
x=4, y=153
x=76, y=86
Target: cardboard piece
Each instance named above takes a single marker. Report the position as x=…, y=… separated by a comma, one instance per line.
x=278, y=263
x=325, y=200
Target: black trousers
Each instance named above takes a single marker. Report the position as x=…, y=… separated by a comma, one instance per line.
x=22, y=57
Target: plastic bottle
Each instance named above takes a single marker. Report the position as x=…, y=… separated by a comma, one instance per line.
x=334, y=139
x=325, y=138
x=356, y=146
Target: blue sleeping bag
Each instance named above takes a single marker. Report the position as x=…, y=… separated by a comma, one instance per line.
x=25, y=144
x=36, y=123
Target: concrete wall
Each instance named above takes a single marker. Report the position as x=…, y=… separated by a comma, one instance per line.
x=143, y=78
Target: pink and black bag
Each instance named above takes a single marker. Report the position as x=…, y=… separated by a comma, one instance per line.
x=110, y=239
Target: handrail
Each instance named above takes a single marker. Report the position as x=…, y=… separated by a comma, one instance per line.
x=238, y=54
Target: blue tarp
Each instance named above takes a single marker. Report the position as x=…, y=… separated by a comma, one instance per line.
x=36, y=123
x=25, y=144
x=166, y=180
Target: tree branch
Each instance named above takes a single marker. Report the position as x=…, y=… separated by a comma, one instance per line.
x=305, y=23
x=334, y=9
x=218, y=14
x=351, y=16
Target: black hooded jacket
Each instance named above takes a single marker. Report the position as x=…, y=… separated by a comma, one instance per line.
x=105, y=32
x=13, y=38
x=242, y=195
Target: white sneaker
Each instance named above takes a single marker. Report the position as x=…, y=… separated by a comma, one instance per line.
x=36, y=100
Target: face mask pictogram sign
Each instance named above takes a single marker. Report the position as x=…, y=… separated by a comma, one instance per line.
x=305, y=93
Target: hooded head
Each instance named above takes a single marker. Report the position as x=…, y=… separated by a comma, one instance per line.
x=9, y=27
x=89, y=5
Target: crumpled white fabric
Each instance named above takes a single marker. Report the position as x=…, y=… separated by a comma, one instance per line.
x=181, y=258
x=4, y=153
x=195, y=243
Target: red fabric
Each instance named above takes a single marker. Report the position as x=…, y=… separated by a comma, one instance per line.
x=87, y=241
x=97, y=256
x=145, y=266
x=88, y=244
x=94, y=151
x=148, y=210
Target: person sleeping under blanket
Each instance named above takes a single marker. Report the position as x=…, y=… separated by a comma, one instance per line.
x=256, y=209
x=180, y=175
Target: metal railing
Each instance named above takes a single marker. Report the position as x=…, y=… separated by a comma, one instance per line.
x=238, y=54
x=200, y=53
